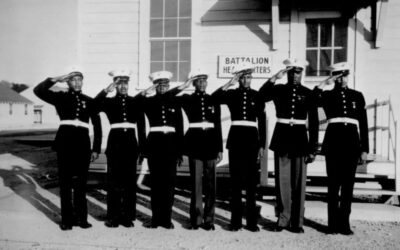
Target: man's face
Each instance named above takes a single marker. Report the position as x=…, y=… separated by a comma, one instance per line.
x=343, y=79
x=245, y=80
x=75, y=83
x=200, y=84
x=122, y=86
x=162, y=87
x=294, y=75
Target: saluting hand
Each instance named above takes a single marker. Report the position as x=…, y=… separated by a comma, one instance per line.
x=111, y=87
x=149, y=90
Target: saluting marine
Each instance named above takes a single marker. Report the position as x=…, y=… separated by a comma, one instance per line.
x=123, y=112
x=345, y=143
x=203, y=146
x=72, y=144
x=246, y=143
x=162, y=147
x=292, y=145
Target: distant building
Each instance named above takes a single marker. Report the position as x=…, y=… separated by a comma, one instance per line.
x=16, y=111
x=45, y=115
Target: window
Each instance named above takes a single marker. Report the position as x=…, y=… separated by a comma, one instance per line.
x=10, y=110
x=26, y=109
x=326, y=44
x=170, y=37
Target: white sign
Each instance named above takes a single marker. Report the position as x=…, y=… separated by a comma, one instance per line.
x=227, y=64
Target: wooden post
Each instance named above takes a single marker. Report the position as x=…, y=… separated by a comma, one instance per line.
x=275, y=23
x=375, y=125
x=264, y=161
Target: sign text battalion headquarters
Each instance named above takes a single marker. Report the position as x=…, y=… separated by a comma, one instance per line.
x=227, y=64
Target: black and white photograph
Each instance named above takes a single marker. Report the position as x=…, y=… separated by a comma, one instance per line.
x=199, y=124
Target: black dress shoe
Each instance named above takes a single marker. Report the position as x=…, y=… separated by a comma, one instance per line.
x=193, y=227
x=65, y=227
x=168, y=226
x=253, y=228
x=346, y=231
x=332, y=230
x=298, y=230
x=127, y=223
x=209, y=227
x=84, y=225
x=279, y=228
x=235, y=228
x=111, y=223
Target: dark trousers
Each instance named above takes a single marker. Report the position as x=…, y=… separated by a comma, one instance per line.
x=243, y=170
x=290, y=183
x=162, y=174
x=341, y=171
x=72, y=173
x=121, y=187
x=202, y=171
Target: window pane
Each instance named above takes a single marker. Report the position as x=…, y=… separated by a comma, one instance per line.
x=184, y=50
x=156, y=9
x=326, y=34
x=340, y=55
x=171, y=8
x=156, y=51
x=185, y=8
x=173, y=68
x=156, y=28
x=171, y=51
x=325, y=62
x=312, y=35
x=312, y=60
x=171, y=28
x=184, y=27
x=156, y=66
x=183, y=71
x=341, y=34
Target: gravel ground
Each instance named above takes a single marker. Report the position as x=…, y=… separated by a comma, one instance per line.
x=29, y=213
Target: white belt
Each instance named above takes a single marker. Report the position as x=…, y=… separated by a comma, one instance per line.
x=291, y=121
x=123, y=125
x=75, y=123
x=165, y=129
x=343, y=120
x=202, y=125
x=244, y=123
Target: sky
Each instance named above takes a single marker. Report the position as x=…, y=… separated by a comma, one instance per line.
x=25, y=57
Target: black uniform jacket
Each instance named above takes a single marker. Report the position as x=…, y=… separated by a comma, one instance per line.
x=342, y=137
x=244, y=105
x=292, y=101
x=72, y=105
x=121, y=109
x=162, y=110
x=200, y=107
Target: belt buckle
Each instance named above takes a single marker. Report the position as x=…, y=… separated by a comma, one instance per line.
x=291, y=122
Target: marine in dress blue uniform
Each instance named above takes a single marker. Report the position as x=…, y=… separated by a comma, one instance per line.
x=163, y=147
x=123, y=112
x=345, y=143
x=293, y=144
x=203, y=146
x=246, y=142
x=72, y=144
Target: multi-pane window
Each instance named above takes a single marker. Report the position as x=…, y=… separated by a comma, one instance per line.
x=326, y=44
x=170, y=37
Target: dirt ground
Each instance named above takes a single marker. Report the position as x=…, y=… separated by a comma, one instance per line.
x=30, y=212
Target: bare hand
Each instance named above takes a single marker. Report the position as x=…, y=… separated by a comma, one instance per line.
x=309, y=158
x=149, y=90
x=281, y=73
x=111, y=87
x=363, y=157
x=260, y=154
x=94, y=156
x=219, y=157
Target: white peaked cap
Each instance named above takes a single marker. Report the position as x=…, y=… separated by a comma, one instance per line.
x=120, y=73
x=294, y=62
x=198, y=72
x=339, y=66
x=160, y=75
x=245, y=66
x=74, y=68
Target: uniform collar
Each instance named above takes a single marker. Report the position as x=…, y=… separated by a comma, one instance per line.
x=243, y=89
x=345, y=88
x=121, y=96
x=73, y=92
x=199, y=93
